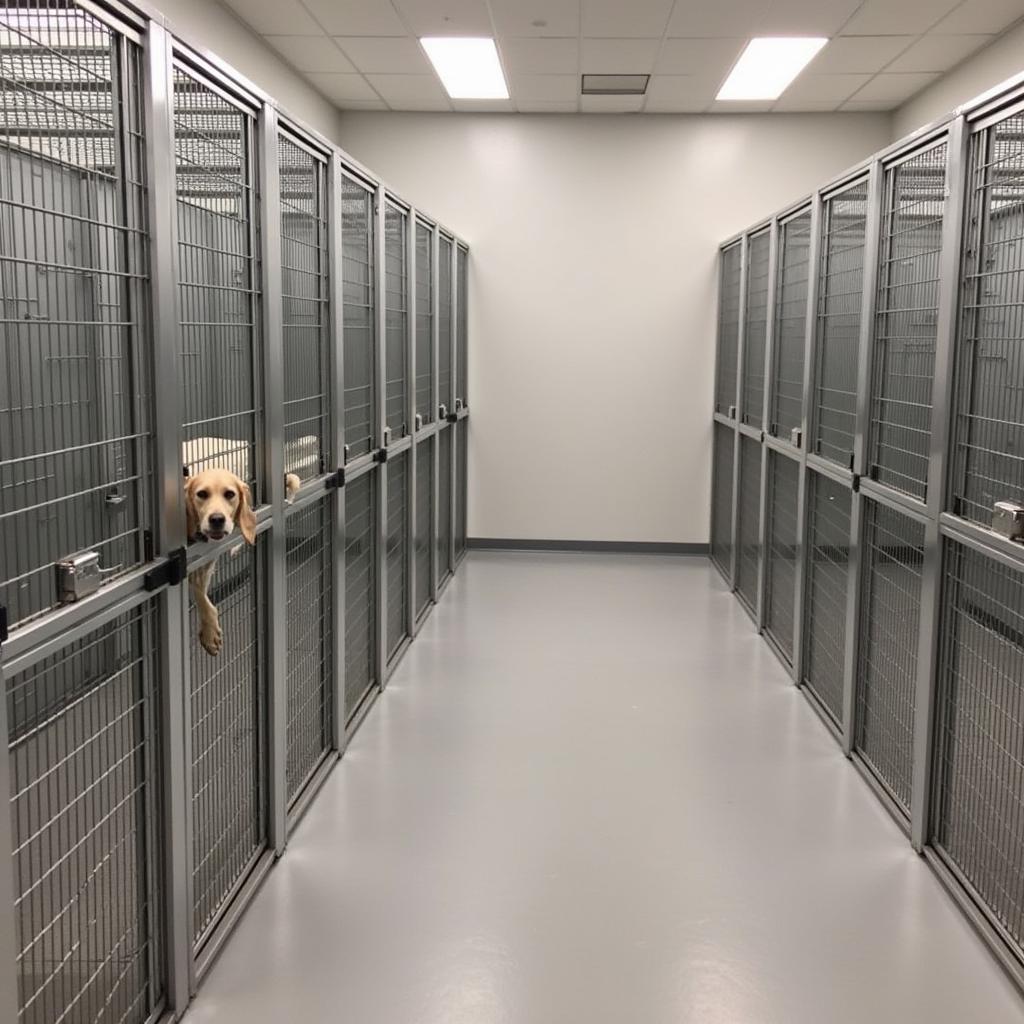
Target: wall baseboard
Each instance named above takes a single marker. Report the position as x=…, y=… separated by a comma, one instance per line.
x=627, y=547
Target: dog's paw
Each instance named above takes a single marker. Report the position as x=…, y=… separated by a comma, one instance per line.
x=291, y=487
x=212, y=639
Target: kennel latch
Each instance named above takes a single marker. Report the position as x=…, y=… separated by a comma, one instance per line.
x=1008, y=520
x=80, y=575
x=168, y=573
x=336, y=480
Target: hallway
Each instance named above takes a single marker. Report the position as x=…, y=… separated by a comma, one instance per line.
x=590, y=795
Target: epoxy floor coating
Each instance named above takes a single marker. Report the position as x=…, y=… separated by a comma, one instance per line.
x=590, y=795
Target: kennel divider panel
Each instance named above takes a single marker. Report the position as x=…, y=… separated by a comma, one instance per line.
x=397, y=549
x=396, y=320
x=462, y=327
x=722, y=456
x=988, y=432
x=310, y=638
x=424, y=539
x=730, y=271
x=426, y=406
x=445, y=322
x=755, y=331
x=219, y=292
x=84, y=768
x=781, y=554
x=359, y=273
x=838, y=323
x=977, y=823
x=76, y=460
x=443, y=556
x=906, y=322
x=361, y=670
x=830, y=511
x=461, y=489
x=748, y=530
x=306, y=307
x=229, y=738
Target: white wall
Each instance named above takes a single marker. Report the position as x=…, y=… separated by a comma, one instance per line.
x=992, y=66
x=216, y=29
x=593, y=295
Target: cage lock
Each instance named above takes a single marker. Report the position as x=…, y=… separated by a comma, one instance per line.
x=80, y=576
x=1008, y=520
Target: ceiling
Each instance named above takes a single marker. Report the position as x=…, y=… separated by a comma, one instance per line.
x=365, y=54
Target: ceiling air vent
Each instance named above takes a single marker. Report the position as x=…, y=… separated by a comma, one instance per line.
x=615, y=85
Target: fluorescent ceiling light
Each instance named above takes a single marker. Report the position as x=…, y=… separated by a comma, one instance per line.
x=767, y=66
x=469, y=69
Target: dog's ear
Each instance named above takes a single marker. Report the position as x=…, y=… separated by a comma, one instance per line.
x=246, y=518
x=191, y=516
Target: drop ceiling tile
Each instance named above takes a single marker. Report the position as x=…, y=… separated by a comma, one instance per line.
x=938, y=53
x=546, y=88
x=867, y=106
x=892, y=18
x=364, y=105
x=893, y=88
x=540, y=56
x=989, y=16
x=385, y=56
x=680, y=94
x=800, y=18
x=808, y=106
x=446, y=17
x=717, y=18
x=858, y=54
x=637, y=19
x=831, y=90
x=546, y=107
x=341, y=88
x=410, y=92
x=356, y=17
x=699, y=56
x=484, y=106
x=619, y=56
x=611, y=104
x=311, y=53
x=276, y=17
x=522, y=17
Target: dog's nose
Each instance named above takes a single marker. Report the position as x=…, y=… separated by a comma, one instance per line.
x=217, y=521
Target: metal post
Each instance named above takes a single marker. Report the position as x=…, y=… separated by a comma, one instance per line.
x=336, y=344
x=810, y=348
x=8, y=935
x=741, y=334
x=175, y=668
x=938, y=467
x=381, y=471
x=273, y=453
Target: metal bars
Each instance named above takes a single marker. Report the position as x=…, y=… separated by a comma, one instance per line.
x=426, y=407
x=360, y=591
x=783, y=483
x=396, y=309
x=723, y=442
x=755, y=329
x=727, y=364
x=748, y=529
x=397, y=543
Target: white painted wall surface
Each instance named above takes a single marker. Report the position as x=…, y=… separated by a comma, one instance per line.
x=592, y=295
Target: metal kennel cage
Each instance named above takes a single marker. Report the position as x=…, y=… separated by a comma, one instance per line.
x=724, y=441
x=76, y=465
x=443, y=558
x=748, y=526
x=446, y=383
x=461, y=496
x=396, y=310
x=426, y=407
x=424, y=534
x=397, y=545
x=361, y=582
x=755, y=329
x=462, y=329
x=781, y=533
x=729, y=313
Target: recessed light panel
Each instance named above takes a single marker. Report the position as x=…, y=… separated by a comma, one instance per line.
x=767, y=66
x=469, y=69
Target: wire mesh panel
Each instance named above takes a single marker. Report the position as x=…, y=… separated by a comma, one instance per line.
x=988, y=464
x=396, y=282
x=443, y=557
x=85, y=807
x=780, y=557
x=359, y=315
x=723, y=440
x=828, y=557
x=729, y=273
x=978, y=820
x=461, y=493
x=791, y=295
x=305, y=310
x=425, y=404
x=424, y=540
x=218, y=285
x=840, y=297
x=310, y=639
x=755, y=332
x=887, y=650
x=906, y=322
x=748, y=509
x=229, y=707
x=75, y=344
x=462, y=327
x=360, y=591
x=397, y=550
x=445, y=385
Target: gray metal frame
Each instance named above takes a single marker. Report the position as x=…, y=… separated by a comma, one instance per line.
x=156, y=581
x=935, y=514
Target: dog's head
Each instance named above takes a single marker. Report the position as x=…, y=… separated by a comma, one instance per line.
x=215, y=501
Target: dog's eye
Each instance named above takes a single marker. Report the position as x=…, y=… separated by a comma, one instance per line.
x=202, y=495
x=230, y=495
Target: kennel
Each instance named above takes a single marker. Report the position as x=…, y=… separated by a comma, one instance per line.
x=729, y=314
x=755, y=329
x=780, y=568
x=190, y=279
x=723, y=443
x=748, y=525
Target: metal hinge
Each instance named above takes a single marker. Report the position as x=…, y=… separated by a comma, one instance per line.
x=335, y=480
x=382, y=455
x=856, y=483
x=453, y=417
x=4, y=632
x=169, y=573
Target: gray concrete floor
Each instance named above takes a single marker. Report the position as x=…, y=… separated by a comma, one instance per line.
x=591, y=795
